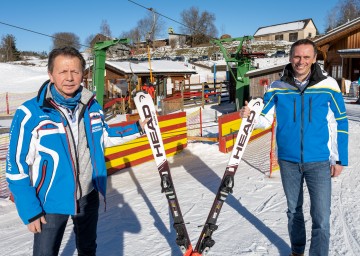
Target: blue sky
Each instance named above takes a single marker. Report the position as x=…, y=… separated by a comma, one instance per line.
x=234, y=17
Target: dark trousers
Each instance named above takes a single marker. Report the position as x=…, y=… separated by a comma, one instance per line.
x=47, y=243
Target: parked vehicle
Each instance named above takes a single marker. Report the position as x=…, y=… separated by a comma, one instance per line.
x=279, y=54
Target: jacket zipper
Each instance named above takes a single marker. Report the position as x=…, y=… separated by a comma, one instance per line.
x=75, y=170
x=43, y=175
x=302, y=128
x=294, y=110
x=310, y=110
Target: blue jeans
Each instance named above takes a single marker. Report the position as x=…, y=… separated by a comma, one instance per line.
x=47, y=243
x=317, y=176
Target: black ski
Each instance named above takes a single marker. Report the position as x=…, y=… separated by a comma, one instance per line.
x=146, y=109
x=205, y=241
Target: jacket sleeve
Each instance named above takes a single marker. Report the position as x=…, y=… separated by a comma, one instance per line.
x=19, y=159
x=266, y=116
x=117, y=135
x=337, y=106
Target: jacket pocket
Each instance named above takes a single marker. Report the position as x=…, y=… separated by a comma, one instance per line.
x=43, y=176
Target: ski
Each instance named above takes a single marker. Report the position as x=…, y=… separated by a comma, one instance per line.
x=146, y=110
x=205, y=241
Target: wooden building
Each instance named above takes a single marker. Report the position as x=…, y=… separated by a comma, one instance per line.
x=166, y=76
x=290, y=31
x=260, y=79
x=340, y=50
x=99, y=38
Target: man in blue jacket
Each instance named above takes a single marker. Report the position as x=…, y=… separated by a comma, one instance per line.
x=312, y=142
x=55, y=163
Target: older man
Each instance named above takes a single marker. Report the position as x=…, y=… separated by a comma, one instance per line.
x=55, y=163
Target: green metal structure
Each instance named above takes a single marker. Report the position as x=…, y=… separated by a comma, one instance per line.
x=98, y=73
x=242, y=59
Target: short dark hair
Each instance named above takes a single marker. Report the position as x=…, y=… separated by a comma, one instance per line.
x=300, y=42
x=65, y=51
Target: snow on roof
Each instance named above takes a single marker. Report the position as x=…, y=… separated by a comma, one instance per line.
x=357, y=50
x=296, y=25
x=338, y=29
x=158, y=66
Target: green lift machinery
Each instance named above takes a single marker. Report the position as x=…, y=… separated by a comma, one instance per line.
x=242, y=61
x=98, y=72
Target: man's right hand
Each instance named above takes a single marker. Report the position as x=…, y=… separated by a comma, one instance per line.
x=35, y=226
x=244, y=111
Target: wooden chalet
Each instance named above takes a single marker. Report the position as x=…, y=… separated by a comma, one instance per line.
x=340, y=50
x=99, y=38
x=260, y=79
x=167, y=75
x=290, y=31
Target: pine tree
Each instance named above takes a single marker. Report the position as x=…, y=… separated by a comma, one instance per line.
x=9, y=51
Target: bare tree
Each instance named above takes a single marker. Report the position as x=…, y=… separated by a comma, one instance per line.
x=199, y=25
x=151, y=26
x=105, y=29
x=88, y=40
x=343, y=12
x=8, y=50
x=63, y=39
x=350, y=9
x=331, y=20
x=133, y=35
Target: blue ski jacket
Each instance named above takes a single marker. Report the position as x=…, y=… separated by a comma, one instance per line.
x=40, y=168
x=311, y=122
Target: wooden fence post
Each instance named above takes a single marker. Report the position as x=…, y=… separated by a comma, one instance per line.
x=7, y=104
x=182, y=96
x=202, y=95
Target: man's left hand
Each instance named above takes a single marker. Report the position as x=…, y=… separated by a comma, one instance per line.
x=142, y=123
x=336, y=170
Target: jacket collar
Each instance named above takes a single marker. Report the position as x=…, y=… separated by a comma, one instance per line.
x=44, y=95
x=316, y=76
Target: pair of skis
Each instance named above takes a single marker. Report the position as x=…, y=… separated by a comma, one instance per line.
x=146, y=109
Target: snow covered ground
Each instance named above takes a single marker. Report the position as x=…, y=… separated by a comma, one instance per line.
x=252, y=222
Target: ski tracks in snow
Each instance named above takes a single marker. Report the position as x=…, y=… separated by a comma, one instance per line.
x=346, y=194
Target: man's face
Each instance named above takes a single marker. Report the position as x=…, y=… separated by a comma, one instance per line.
x=301, y=60
x=66, y=75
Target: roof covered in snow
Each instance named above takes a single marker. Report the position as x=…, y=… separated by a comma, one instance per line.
x=289, y=26
x=338, y=32
x=157, y=66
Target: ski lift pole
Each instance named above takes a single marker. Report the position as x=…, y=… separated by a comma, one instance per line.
x=149, y=40
x=149, y=60
x=98, y=72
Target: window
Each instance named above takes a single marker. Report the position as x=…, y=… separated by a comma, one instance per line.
x=293, y=37
x=309, y=35
x=336, y=71
x=279, y=37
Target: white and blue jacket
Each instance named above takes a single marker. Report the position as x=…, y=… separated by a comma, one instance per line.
x=41, y=170
x=311, y=122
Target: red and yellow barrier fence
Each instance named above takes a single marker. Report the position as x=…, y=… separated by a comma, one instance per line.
x=174, y=134
x=229, y=125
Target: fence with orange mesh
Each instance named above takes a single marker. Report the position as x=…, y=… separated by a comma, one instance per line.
x=260, y=152
x=4, y=143
x=9, y=102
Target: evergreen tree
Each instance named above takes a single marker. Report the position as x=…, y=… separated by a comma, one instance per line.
x=8, y=50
